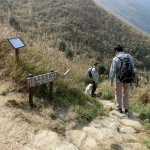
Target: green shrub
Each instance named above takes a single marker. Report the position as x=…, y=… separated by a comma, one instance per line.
x=143, y=110
x=42, y=91
x=68, y=53
x=101, y=69
x=108, y=95
x=71, y=96
x=147, y=142
x=13, y=22
x=62, y=46
x=98, y=58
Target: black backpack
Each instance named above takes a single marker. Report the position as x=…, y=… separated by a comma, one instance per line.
x=89, y=72
x=127, y=74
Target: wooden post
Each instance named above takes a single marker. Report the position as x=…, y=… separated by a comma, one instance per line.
x=31, y=94
x=51, y=89
x=17, y=55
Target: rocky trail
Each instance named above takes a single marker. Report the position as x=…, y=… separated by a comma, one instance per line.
x=112, y=132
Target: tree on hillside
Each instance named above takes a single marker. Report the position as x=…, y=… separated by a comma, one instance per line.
x=68, y=53
x=62, y=46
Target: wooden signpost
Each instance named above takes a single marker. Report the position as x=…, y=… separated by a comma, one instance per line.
x=38, y=80
x=16, y=43
x=41, y=79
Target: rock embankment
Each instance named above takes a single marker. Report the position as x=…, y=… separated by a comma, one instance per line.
x=112, y=132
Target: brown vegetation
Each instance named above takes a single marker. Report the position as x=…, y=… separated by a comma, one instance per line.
x=145, y=97
x=86, y=28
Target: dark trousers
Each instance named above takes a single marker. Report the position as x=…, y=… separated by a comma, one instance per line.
x=94, y=86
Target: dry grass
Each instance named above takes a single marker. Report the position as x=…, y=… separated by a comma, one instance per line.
x=19, y=125
x=5, y=86
x=17, y=120
x=141, y=92
x=145, y=96
x=38, y=59
x=106, y=90
x=14, y=106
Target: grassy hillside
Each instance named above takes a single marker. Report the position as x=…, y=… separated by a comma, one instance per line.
x=69, y=97
x=89, y=32
x=68, y=92
x=87, y=29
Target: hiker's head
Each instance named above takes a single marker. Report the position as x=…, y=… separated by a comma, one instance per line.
x=118, y=48
x=96, y=63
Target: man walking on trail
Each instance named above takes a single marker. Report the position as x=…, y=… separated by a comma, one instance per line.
x=95, y=75
x=120, y=86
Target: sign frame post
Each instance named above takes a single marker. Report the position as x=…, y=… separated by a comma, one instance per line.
x=31, y=97
x=31, y=94
x=51, y=88
x=16, y=43
x=17, y=55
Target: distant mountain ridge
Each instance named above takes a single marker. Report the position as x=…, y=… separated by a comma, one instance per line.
x=137, y=12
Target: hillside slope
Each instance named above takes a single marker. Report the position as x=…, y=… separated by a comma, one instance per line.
x=135, y=12
x=48, y=125
x=86, y=28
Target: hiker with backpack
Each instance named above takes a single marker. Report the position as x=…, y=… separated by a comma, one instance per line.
x=122, y=71
x=95, y=77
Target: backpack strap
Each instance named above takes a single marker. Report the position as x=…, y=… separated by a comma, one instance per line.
x=120, y=60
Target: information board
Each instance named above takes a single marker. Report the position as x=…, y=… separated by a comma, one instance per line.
x=41, y=79
x=16, y=42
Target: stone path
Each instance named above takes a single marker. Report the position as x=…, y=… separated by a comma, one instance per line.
x=112, y=132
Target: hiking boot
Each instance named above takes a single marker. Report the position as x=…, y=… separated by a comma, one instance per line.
x=126, y=113
x=93, y=95
x=119, y=110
